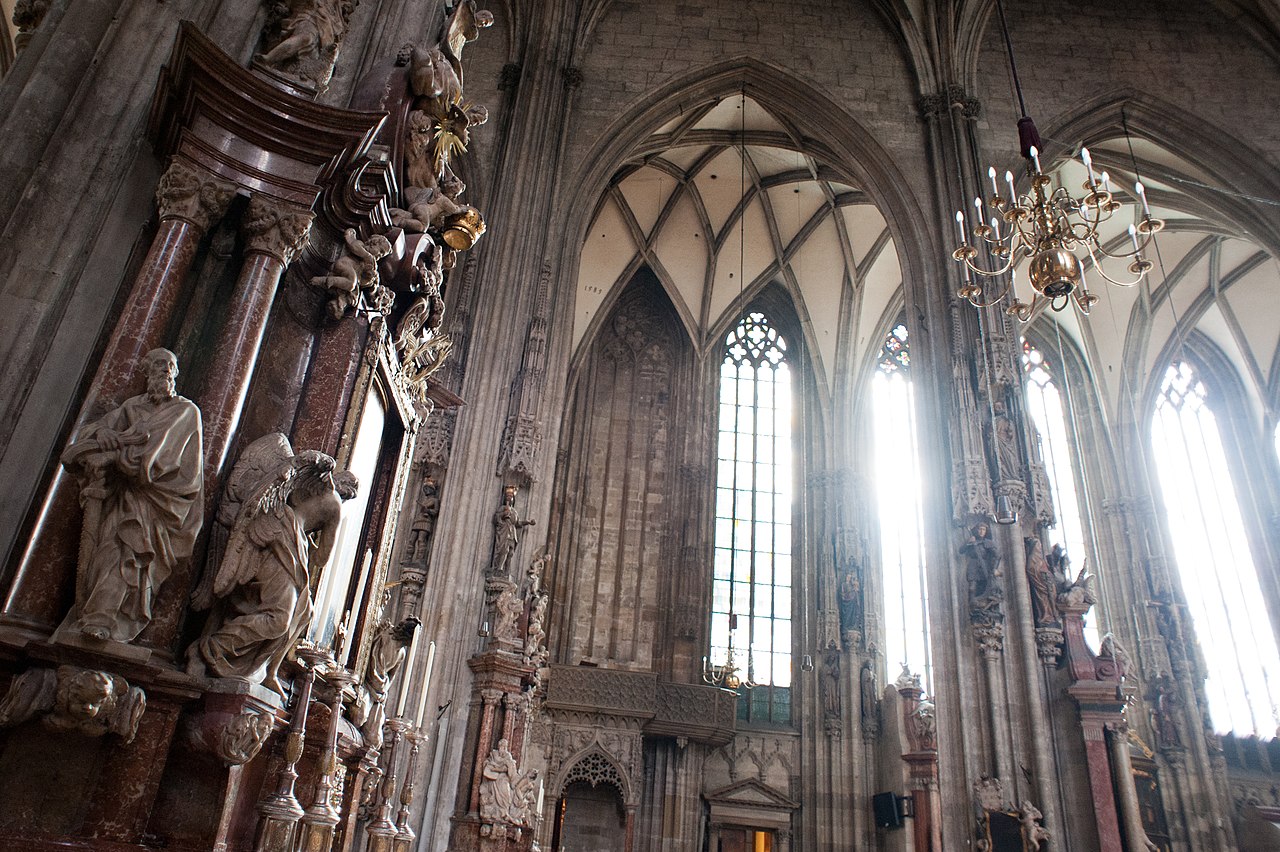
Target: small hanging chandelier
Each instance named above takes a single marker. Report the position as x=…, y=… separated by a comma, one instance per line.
x=726, y=675
x=1049, y=227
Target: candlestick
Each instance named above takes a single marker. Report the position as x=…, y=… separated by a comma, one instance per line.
x=381, y=830
x=281, y=810
x=995, y=187
x=1013, y=192
x=404, y=832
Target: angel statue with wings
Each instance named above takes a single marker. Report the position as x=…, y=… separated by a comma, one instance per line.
x=287, y=507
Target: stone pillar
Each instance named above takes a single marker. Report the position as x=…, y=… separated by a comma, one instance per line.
x=274, y=233
x=190, y=200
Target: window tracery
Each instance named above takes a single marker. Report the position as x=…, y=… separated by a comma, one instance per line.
x=751, y=586
x=897, y=467
x=1214, y=561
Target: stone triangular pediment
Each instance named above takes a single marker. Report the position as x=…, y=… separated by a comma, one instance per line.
x=753, y=793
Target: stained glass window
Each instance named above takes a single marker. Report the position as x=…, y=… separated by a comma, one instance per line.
x=897, y=467
x=751, y=590
x=1213, y=558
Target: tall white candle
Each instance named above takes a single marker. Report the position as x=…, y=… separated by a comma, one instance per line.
x=406, y=673
x=355, y=608
x=426, y=684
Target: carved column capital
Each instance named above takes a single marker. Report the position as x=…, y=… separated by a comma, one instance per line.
x=275, y=229
x=194, y=194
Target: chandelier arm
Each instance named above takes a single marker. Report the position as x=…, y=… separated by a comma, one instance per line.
x=997, y=300
x=1098, y=268
x=994, y=273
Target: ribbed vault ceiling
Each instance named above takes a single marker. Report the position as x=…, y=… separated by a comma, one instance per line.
x=1210, y=278
x=730, y=203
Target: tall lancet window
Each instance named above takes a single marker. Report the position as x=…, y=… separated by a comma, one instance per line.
x=1049, y=412
x=751, y=591
x=1213, y=558
x=897, y=467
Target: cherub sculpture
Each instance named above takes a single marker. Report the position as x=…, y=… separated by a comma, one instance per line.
x=356, y=271
x=283, y=535
x=85, y=701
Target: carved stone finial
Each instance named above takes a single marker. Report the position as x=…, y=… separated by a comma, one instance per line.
x=275, y=229
x=27, y=16
x=194, y=194
x=289, y=506
x=140, y=472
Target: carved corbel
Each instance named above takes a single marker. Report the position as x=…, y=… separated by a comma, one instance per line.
x=240, y=739
x=86, y=701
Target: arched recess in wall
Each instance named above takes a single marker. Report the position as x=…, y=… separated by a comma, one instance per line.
x=592, y=797
x=617, y=483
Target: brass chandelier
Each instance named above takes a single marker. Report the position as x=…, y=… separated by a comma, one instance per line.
x=1048, y=226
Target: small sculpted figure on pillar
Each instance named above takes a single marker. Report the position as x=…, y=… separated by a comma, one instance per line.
x=307, y=41
x=282, y=537
x=1043, y=583
x=506, y=533
x=424, y=522
x=140, y=474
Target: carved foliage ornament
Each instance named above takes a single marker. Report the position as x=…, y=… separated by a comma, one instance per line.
x=194, y=194
x=275, y=229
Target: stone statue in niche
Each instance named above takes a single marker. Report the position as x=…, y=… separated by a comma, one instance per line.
x=306, y=45
x=283, y=535
x=1166, y=711
x=829, y=690
x=1043, y=583
x=982, y=573
x=869, y=694
x=355, y=275
x=849, y=601
x=84, y=701
x=506, y=533
x=1005, y=440
x=424, y=522
x=140, y=471
x=925, y=722
x=507, y=608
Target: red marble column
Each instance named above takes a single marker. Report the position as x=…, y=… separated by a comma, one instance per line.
x=274, y=234
x=1104, y=801
x=484, y=744
x=189, y=199
x=335, y=369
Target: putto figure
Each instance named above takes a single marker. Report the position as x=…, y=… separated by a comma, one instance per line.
x=283, y=534
x=140, y=471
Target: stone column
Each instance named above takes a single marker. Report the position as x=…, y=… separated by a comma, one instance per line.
x=274, y=233
x=1094, y=727
x=190, y=199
